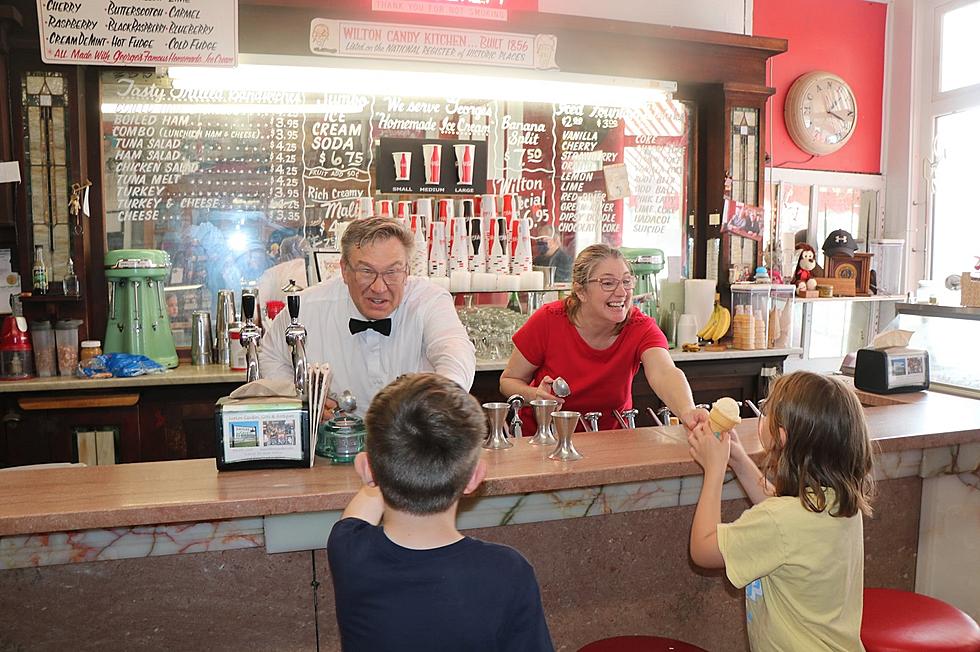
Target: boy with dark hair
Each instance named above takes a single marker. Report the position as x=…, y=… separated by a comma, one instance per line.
x=417, y=583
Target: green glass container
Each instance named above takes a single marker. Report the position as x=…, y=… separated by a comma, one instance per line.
x=340, y=439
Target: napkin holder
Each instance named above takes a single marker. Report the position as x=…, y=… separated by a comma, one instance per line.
x=262, y=432
x=891, y=370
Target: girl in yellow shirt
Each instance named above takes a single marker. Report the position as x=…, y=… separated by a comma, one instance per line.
x=799, y=551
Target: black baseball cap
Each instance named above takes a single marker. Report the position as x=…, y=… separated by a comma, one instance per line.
x=839, y=243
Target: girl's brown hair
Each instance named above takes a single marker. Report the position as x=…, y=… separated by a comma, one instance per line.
x=583, y=267
x=827, y=444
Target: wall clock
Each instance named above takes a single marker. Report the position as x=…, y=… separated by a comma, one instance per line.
x=820, y=112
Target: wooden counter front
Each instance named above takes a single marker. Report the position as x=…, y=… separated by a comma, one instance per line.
x=62, y=499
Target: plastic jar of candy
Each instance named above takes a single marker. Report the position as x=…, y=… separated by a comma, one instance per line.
x=90, y=349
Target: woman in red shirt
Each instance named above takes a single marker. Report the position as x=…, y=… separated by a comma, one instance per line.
x=596, y=339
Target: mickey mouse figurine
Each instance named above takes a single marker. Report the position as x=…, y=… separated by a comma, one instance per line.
x=804, y=278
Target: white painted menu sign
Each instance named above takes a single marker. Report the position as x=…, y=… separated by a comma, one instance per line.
x=348, y=38
x=139, y=32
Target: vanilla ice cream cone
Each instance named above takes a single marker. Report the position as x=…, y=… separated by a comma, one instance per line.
x=724, y=415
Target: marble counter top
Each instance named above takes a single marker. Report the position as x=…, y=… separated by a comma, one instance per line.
x=187, y=374
x=64, y=499
x=680, y=356
x=184, y=374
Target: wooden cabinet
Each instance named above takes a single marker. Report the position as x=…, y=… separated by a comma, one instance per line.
x=145, y=424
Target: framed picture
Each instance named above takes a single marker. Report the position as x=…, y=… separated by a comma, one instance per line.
x=857, y=267
x=741, y=219
x=326, y=265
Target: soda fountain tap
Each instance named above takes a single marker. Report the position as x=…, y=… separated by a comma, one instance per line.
x=630, y=417
x=592, y=420
x=296, y=339
x=251, y=334
x=516, y=425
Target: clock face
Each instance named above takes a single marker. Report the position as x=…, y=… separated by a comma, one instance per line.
x=847, y=270
x=821, y=112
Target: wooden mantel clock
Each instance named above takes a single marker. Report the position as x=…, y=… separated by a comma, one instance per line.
x=857, y=267
x=820, y=112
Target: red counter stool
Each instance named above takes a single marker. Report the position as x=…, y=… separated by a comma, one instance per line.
x=640, y=644
x=901, y=621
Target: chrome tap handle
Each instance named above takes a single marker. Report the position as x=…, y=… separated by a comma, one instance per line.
x=299, y=364
x=665, y=415
x=248, y=306
x=251, y=334
x=755, y=410
x=251, y=362
x=592, y=419
x=630, y=417
x=296, y=339
x=516, y=402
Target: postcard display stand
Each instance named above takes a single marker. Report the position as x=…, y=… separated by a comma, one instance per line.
x=262, y=433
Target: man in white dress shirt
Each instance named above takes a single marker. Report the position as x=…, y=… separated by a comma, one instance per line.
x=376, y=322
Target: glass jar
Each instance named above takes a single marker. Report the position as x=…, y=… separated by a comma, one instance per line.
x=750, y=316
x=782, y=302
x=340, y=439
x=66, y=336
x=44, y=351
x=90, y=349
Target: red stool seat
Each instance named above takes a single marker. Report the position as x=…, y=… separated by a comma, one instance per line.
x=900, y=621
x=640, y=644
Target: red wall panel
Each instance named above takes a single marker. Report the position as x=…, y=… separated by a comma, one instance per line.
x=845, y=37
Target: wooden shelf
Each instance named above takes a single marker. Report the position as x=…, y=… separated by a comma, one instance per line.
x=861, y=299
x=49, y=298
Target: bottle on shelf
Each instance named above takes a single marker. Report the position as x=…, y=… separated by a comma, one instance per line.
x=71, y=280
x=39, y=272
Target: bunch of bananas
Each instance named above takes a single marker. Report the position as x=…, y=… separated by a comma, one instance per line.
x=718, y=324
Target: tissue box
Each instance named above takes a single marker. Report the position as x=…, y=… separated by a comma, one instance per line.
x=969, y=291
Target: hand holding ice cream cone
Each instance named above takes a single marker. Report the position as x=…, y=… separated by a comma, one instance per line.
x=724, y=415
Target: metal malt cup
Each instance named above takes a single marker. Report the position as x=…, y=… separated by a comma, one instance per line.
x=226, y=316
x=200, y=337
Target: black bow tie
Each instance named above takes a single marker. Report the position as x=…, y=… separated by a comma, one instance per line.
x=383, y=326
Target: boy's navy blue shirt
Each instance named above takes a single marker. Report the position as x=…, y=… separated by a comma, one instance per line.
x=470, y=595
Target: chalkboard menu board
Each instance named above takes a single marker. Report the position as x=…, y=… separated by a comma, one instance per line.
x=218, y=177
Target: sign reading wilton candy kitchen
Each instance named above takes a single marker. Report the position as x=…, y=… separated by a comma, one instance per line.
x=347, y=38
x=139, y=32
